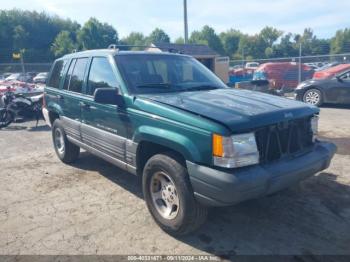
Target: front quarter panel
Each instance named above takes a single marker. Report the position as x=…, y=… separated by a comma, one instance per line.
x=193, y=143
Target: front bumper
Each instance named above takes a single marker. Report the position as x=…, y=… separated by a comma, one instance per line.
x=214, y=187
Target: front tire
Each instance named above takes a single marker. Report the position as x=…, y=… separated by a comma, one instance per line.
x=66, y=151
x=6, y=117
x=313, y=96
x=169, y=196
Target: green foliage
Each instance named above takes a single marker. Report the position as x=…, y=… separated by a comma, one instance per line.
x=44, y=37
x=207, y=36
x=63, y=44
x=158, y=36
x=94, y=35
x=230, y=41
x=134, y=38
x=180, y=40
x=341, y=42
x=32, y=31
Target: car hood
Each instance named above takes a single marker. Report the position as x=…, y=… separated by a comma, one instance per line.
x=313, y=81
x=238, y=110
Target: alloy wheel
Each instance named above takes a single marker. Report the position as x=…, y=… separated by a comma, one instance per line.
x=164, y=195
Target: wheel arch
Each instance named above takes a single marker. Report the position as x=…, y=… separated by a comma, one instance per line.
x=153, y=141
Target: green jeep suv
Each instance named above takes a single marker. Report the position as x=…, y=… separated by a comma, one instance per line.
x=195, y=142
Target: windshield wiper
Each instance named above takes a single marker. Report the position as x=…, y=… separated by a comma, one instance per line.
x=202, y=87
x=154, y=85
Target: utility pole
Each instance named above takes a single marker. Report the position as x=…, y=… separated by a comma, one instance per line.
x=185, y=22
x=299, y=80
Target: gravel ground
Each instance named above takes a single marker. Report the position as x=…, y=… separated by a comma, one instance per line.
x=92, y=207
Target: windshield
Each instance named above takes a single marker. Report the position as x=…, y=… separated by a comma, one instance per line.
x=153, y=73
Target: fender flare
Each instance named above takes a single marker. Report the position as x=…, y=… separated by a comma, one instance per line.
x=170, y=139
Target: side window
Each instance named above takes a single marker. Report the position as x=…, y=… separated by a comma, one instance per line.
x=57, y=74
x=69, y=74
x=77, y=78
x=101, y=75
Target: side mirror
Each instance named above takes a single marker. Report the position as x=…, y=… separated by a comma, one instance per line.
x=109, y=96
x=339, y=78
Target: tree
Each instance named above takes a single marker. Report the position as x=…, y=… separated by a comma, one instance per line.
x=63, y=44
x=341, y=42
x=286, y=47
x=95, y=35
x=134, y=38
x=158, y=36
x=207, y=36
x=180, y=40
x=269, y=35
x=19, y=37
x=230, y=41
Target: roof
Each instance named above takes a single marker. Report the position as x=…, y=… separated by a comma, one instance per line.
x=102, y=52
x=106, y=52
x=187, y=49
x=332, y=71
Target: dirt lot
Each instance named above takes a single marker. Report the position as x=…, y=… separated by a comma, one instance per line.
x=92, y=207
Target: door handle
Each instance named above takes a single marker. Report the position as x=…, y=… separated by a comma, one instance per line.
x=84, y=105
x=60, y=97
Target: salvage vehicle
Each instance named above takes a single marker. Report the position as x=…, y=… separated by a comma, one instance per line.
x=283, y=75
x=335, y=90
x=16, y=106
x=195, y=142
x=331, y=72
x=40, y=78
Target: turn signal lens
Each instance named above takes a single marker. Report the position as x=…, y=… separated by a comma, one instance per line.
x=218, y=149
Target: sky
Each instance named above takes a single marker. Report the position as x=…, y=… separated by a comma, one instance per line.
x=325, y=17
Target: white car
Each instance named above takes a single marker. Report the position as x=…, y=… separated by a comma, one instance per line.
x=40, y=78
x=252, y=65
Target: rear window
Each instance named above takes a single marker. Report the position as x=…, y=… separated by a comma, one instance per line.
x=57, y=74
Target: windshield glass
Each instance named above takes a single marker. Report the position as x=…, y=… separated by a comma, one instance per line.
x=153, y=73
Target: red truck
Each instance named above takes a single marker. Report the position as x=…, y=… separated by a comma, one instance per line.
x=283, y=74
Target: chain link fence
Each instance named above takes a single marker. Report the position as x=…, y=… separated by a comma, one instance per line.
x=285, y=73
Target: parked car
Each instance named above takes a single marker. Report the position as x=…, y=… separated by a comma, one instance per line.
x=40, y=78
x=18, y=77
x=195, y=142
x=331, y=72
x=327, y=65
x=252, y=65
x=283, y=75
x=240, y=75
x=328, y=90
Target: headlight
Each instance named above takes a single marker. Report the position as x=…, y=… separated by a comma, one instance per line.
x=235, y=151
x=314, y=126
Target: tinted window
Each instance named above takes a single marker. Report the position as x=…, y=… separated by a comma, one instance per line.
x=77, y=78
x=57, y=73
x=101, y=75
x=69, y=74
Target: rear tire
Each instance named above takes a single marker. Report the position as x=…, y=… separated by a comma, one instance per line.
x=169, y=196
x=313, y=96
x=66, y=151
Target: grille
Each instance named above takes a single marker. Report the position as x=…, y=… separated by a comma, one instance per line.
x=282, y=139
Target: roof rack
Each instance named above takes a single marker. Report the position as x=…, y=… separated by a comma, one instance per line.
x=113, y=46
x=170, y=50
